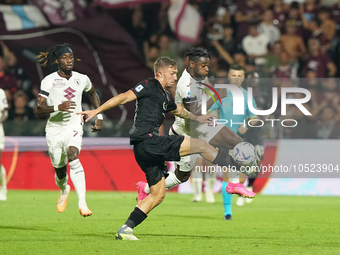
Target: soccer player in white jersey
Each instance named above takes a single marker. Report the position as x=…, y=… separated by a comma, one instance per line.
x=189, y=95
x=60, y=96
x=3, y=116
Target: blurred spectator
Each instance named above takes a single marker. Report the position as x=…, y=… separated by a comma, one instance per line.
x=240, y=57
x=273, y=58
x=14, y=2
x=21, y=112
x=229, y=43
x=328, y=127
x=151, y=54
x=138, y=29
x=283, y=70
x=268, y=28
x=248, y=11
x=260, y=93
x=280, y=15
x=227, y=59
x=308, y=12
x=256, y=45
x=251, y=66
x=7, y=81
x=229, y=5
x=164, y=48
x=319, y=62
x=223, y=15
x=309, y=9
x=314, y=26
x=302, y=130
x=330, y=94
x=17, y=71
x=158, y=22
x=335, y=15
x=328, y=27
x=311, y=83
x=293, y=43
x=215, y=70
x=294, y=14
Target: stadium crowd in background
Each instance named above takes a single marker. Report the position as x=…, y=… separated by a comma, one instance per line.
x=276, y=38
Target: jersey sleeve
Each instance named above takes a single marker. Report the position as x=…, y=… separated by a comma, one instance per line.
x=45, y=88
x=143, y=89
x=172, y=105
x=88, y=84
x=3, y=100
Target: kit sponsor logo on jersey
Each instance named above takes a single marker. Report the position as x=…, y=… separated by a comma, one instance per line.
x=57, y=83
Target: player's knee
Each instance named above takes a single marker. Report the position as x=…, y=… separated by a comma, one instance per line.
x=239, y=140
x=72, y=157
x=201, y=145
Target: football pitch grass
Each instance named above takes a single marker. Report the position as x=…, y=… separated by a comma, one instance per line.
x=30, y=224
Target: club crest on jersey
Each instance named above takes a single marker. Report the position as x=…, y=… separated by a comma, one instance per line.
x=77, y=82
x=139, y=88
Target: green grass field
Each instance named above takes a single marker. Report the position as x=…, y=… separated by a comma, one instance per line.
x=30, y=224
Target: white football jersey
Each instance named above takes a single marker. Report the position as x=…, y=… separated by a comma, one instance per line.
x=58, y=89
x=190, y=91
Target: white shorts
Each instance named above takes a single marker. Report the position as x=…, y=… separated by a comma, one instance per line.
x=58, y=144
x=187, y=163
x=2, y=138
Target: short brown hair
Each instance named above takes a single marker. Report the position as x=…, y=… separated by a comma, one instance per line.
x=162, y=62
x=237, y=67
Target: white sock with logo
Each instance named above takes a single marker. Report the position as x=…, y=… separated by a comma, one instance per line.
x=78, y=179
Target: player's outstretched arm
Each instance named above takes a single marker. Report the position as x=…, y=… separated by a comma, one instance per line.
x=96, y=103
x=120, y=99
x=181, y=112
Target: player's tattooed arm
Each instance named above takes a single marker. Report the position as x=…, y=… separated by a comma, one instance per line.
x=183, y=113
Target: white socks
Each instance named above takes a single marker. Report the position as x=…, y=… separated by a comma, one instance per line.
x=234, y=177
x=170, y=182
x=197, y=183
x=62, y=184
x=210, y=179
x=3, y=183
x=78, y=179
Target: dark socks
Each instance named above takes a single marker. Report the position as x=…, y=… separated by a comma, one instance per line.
x=136, y=218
